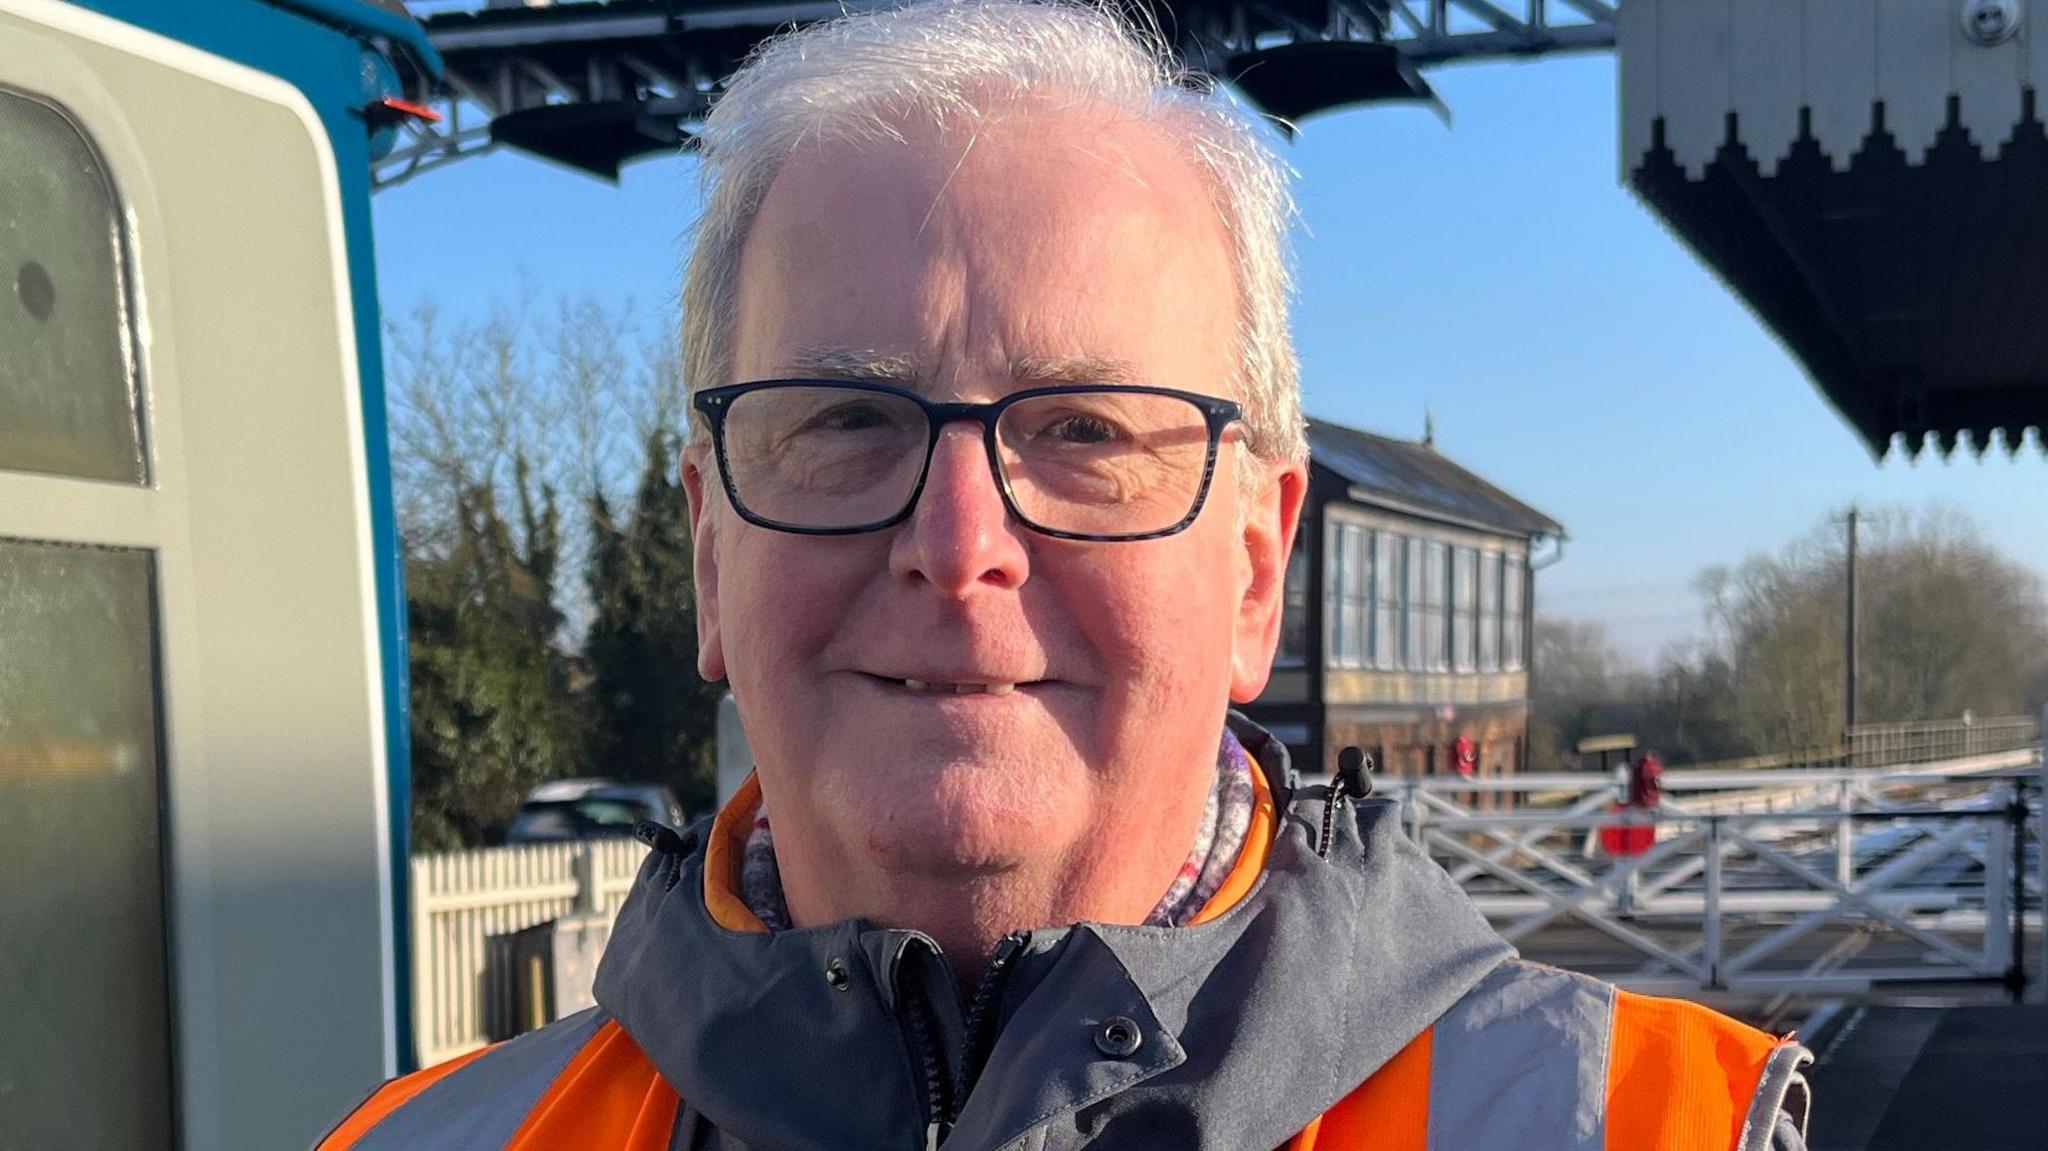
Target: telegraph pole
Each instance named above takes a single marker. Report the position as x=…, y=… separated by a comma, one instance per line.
x=1849, y=631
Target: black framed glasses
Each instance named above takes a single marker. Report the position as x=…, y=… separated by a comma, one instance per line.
x=1102, y=462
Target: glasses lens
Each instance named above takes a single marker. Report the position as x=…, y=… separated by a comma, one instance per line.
x=819, y=457
x=1104, y=463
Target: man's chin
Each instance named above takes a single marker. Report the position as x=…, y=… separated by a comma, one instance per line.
x=967, y=829
x=950, y=863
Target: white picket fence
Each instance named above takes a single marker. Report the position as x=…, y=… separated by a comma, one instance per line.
x=460, y=897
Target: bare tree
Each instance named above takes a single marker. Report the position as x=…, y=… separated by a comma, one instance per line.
x=574, y=390
x=1949, y=625
x=512, y=433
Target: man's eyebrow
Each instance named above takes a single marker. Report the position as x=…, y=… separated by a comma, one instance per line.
x=862, y=364
x=855, y=364
x=1073, y=370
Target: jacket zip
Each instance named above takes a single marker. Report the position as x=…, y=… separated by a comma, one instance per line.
x=981, y=1019
x=924, y=1052
x=944, y=1099
x=918, y=1028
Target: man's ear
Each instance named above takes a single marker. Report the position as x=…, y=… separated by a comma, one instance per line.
x=704, y=559
x=1271, y=518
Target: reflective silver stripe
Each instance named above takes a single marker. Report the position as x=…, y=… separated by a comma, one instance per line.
x=479, y=1106
x=1520, y=1064
x=1781, y=1091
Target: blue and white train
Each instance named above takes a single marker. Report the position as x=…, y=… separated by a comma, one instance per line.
x=202, y=689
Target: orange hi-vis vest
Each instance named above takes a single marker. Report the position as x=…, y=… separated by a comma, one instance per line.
x=1674, y=1077
x=1632, y=1072
x=1530, y=1058
x=1677, y=1077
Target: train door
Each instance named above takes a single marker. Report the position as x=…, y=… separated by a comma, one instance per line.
x=196, y=931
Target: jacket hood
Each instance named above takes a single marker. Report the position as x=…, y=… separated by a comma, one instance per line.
x=1247, y=1026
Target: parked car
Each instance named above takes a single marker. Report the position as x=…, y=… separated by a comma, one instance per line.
x=571, y=809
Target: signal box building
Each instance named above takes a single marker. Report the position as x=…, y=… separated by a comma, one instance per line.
x=1407, y=625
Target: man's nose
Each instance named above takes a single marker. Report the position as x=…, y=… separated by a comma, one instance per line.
x=960, y=535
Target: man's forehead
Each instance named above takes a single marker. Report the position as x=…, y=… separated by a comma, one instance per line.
x=1003, y=263
x=1043, y=151
x=911, y=370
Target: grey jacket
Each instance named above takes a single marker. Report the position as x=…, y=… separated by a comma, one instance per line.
x=1232, y=1035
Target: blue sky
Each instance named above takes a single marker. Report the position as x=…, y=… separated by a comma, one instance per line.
x=1493, y=271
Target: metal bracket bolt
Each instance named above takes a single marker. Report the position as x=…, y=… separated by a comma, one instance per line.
x=1989, y=22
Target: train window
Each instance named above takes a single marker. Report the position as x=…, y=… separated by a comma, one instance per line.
x=81, y=880
x=69, y=400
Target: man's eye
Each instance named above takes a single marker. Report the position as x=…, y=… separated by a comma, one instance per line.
x=850, y=418
x=1081, y=430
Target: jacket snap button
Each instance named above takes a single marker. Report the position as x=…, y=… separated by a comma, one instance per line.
x=1118, y=1037
x=835, y=975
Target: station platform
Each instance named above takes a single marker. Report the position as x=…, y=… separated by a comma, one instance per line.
x=1893, y=1078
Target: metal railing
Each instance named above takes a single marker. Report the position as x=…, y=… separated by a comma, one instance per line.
x=1892, y=744
x=1888, y=744
x=1783, y=881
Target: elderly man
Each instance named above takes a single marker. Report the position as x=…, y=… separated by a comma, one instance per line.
x=996, y=465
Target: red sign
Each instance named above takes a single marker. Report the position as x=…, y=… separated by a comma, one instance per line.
x=1623, y=840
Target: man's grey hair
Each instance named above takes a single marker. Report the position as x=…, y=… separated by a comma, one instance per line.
x=867, y=76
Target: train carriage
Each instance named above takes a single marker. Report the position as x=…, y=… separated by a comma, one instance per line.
x=202, y=725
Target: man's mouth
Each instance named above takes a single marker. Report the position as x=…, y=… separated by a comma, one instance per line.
x=954, y=687
x=959, y=688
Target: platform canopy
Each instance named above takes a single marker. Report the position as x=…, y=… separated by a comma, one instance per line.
x=1869, y=177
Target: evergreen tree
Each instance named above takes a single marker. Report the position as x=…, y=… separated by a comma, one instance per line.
x=493, y=712
x=654, y=718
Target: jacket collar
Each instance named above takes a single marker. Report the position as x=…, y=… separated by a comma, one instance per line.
x=725, y=845
x=1302, y=977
